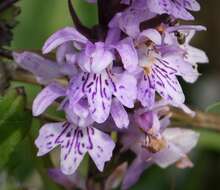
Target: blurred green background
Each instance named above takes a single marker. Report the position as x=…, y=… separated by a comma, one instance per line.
x=40, y=18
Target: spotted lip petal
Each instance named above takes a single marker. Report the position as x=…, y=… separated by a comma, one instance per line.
x=99, y=89
x=75, y=142
x=64, y=35
x=162, y=80
x=146, y=91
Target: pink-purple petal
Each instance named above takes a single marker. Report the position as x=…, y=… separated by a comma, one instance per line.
x=119, y=114
x=128, y=54
x=102, y=149
x=64, y=35
x=46, y=97
x=126, y=89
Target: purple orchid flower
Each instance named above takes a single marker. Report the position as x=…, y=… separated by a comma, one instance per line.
x=99, y=90
x=176, y=8
x=97, y=81
x=191, y=54
x=161, y=64
x=155, y=144
x=75, y=142
x=159, y=72
x=94, y=57
x=130, y=19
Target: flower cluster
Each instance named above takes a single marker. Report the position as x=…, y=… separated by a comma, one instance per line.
x=123, y=73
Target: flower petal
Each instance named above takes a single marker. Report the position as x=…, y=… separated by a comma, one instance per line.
x=37, y=65
x=125, y=89
x=185, y=139
x=152, y=35
x=102, y=148
x=73, y=149
x=63, y=50
x=195, y=55
x=98, y=90
x=191, y=5
x=101, y=58
x=175, y=8
x=180, y=142
x=46, y=97
x=64, y=35
x=128, y=54
x=166, y=82
x=95, y=58
x=75, y=90
x=48, y=137
x=119, y=114
x=146, y=91
x=184, y=69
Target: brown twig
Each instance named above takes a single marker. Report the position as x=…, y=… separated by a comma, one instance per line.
x=201, y=120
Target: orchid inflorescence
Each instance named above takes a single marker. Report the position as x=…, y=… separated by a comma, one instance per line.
x=122, y=77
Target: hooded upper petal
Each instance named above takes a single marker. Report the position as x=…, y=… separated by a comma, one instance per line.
x=99, y=93
x=95, y=58
x=64, y=35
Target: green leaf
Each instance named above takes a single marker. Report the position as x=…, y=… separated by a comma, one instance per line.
x=214, y=108
x=14, y=122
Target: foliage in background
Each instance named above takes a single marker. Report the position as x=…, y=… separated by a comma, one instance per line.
x=8, y=21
